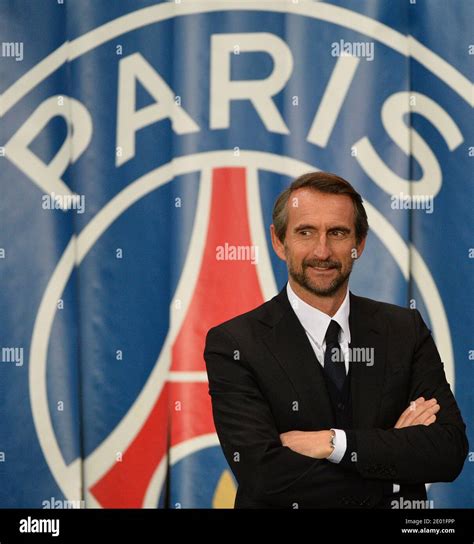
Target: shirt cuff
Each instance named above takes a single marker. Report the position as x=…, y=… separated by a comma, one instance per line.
x=340, y=449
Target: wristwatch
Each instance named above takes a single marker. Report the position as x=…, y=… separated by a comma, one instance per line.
x=333, y=438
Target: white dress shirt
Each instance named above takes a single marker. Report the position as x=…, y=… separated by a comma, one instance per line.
x=315, y=324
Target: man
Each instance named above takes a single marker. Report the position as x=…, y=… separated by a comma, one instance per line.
x=322, y=398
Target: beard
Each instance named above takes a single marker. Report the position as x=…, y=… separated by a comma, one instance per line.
x=302, y=278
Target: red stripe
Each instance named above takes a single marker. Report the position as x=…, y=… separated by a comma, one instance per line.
x=224, y=289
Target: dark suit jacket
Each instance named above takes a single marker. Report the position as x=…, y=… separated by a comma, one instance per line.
x=264, y=379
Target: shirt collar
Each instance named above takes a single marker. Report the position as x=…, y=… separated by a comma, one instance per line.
x=315, y=322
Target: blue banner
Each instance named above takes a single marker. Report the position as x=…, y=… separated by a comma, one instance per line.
x=142, y=144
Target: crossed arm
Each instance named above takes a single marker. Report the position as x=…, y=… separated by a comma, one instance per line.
x=317, y=444
x=427, y=444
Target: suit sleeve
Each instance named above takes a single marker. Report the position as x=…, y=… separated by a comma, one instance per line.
x=417, y=454
x=268, y=471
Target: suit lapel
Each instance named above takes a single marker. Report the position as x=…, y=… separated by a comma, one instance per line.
x=289, y=344
x=366, y=380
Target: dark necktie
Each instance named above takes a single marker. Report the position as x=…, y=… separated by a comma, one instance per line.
x=334, y=366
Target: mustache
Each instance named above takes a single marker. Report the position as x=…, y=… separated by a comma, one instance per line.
x=322, y=264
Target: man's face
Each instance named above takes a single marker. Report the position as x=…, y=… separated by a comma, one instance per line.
x=320, y=241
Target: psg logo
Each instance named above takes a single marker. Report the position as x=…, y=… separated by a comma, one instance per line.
x=188, y=155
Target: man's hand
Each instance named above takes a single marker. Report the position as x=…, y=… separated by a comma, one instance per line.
x=420, y=412
x=315, y=444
